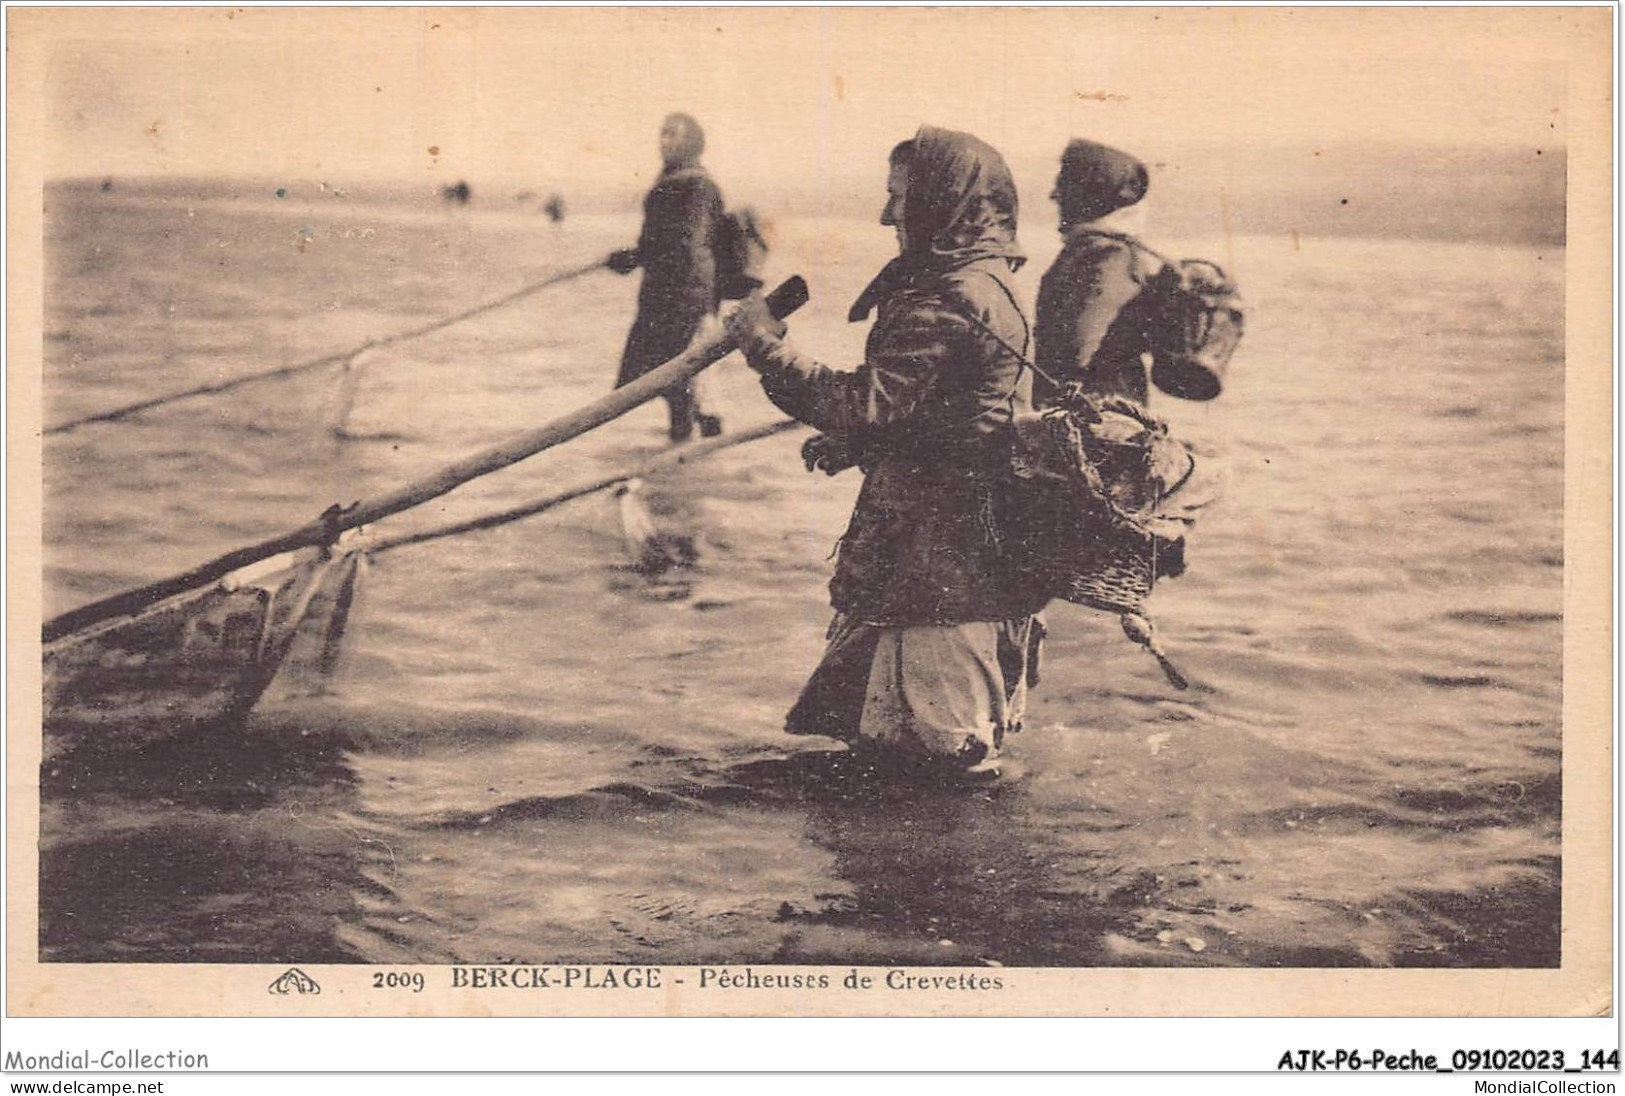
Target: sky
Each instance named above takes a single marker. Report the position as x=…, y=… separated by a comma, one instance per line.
x=798, y=97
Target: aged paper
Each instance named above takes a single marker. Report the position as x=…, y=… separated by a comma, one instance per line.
x=543, y=783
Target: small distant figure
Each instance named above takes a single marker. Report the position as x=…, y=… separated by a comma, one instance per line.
x=459, y=192
x=107, y=185
x=554, y=208
x=677, y=251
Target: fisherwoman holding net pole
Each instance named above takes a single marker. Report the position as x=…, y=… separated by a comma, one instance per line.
x=928, y=657
x=677, y=251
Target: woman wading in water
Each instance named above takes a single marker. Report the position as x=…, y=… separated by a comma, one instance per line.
x=677, y=250
x=1093, y=316
x=928, y=654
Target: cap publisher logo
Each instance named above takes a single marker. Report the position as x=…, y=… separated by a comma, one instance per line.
x=295, y=981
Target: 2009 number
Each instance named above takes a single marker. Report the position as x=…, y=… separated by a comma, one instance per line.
x=394, y=979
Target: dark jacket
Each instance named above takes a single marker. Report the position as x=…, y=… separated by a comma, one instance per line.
x=1092, y=323
x=677, y=252
x=927, y=414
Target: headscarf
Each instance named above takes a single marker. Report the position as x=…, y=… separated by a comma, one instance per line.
x=961, y=203
x=961, y=206
x=1096, y=180
x=692, y=143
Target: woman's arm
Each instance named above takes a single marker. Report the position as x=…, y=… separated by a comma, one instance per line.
x=908, y=350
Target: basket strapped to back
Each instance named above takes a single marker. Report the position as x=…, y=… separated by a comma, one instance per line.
x=1092, y=474
x=1197, y=324
x=741, y=247
x=1194, y=322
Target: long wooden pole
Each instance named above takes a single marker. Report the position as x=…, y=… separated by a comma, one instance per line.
x=671, y=458
x=788, y=297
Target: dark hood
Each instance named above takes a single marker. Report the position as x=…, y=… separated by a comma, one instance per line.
x=1096, y=180
x=693, y=142
x=961, y=203
x=961, y=207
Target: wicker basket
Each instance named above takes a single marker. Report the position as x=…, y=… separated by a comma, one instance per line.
x=1114, y=572
x=1199, y=324
x=1082, y=490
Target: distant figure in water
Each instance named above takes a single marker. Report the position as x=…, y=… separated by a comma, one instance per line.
x=554, y=208
x=928, y=657
x=677, y=251
x=459, y=192
x=1093, y=322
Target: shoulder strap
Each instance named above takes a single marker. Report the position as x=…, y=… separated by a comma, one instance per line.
x=1133, y=242
x=1026, y=328
x=1022, y=361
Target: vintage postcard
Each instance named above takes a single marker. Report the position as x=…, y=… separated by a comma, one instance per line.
x=822, y=512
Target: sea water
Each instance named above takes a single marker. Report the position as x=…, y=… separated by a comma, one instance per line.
x=532, y=752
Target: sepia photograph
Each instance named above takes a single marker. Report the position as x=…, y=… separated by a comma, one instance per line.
x=821, y=511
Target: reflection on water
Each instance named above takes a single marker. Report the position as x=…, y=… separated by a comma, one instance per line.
x=157, y=857
x=541, y=747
